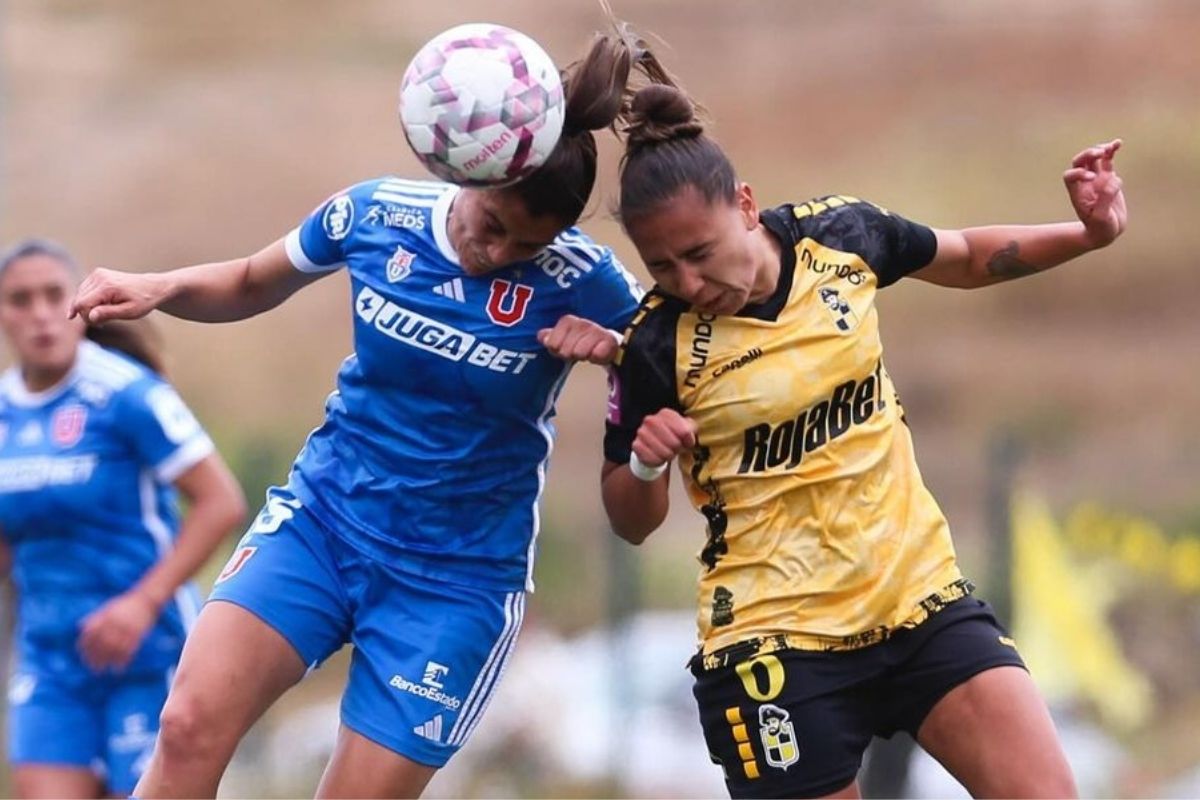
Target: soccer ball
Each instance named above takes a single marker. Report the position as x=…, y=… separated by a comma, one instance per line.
x=481, y=105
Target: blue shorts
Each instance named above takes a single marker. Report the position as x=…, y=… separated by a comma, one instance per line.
x=76, y=718
x=427, y=655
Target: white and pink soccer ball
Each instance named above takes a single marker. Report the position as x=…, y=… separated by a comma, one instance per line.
x=481, y=105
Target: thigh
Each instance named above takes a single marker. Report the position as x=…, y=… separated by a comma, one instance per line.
x=363, y=768
x=234, y=666
x=285, y=572
x=427, y=659
x=54, y=720
x=42, y=781
x=994, y=734
x=131, y=725
x=929, y=661
x=966, y=697
x=776, y=735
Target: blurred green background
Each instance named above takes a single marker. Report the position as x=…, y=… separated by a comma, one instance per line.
x=147, y=134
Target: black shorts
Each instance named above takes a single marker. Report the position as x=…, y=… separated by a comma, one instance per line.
x=795, y=723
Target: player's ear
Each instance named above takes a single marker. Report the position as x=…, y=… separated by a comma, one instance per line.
x=747, y=206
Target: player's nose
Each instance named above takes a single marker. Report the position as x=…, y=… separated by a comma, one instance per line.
x=689, y=282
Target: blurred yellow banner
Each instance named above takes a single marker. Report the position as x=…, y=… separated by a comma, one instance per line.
x=1137, y=543
x=1060, y=622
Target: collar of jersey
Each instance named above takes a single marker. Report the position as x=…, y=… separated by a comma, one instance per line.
x=441, y=222
x=768, y=310
x=15, y=391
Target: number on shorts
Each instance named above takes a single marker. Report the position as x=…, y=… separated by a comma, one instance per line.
x=773, y=668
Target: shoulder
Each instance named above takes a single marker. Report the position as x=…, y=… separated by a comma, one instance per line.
x=850, y=225
x=825, y=219
x=651, y=332
x=388, y=200
x=402, y=191
x=575, y=255
x=104, y=373
x=392, y=188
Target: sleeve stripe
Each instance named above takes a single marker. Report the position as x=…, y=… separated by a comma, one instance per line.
x=582, y=263
x=296, y=254
x=184, y=458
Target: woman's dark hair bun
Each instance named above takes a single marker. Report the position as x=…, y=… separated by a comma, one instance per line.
x=660, y=113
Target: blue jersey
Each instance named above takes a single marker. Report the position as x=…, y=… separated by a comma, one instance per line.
x=86, y=502
x=433, y=452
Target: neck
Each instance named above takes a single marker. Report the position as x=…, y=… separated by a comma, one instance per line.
x=769, y=256
x=42, y=377
x=39, y=379
x=452, y=230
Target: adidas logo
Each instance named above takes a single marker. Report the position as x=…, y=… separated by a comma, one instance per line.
x=431, y=730
x=452, y=289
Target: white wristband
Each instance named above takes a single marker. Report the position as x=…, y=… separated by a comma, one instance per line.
x=644, y=473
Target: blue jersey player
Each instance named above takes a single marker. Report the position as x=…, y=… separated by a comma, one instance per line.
x=92, y=447
x=409, y=522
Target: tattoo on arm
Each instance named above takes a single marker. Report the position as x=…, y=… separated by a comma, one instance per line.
x=1004, y=265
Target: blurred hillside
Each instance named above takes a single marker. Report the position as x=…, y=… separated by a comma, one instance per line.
x=147, y=135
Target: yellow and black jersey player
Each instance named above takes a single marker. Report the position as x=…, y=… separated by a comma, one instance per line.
x=831, y=605
x=804, y=469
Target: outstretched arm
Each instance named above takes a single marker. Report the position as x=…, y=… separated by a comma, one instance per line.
x=974, y=257
x=217, y=292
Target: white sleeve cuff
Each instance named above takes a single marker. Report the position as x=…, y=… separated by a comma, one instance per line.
x=295, y=254
x=187, y=456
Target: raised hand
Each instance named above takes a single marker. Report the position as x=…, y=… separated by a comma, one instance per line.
x=1095, y=191
x=108, y=294
x=576, y=339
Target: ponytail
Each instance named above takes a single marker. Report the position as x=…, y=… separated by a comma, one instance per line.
x=666, y=151
x=137, y=338
x=596, y=91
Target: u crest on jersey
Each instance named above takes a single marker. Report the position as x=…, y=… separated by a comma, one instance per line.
x=66, y=426
x=399, y=266
x=508, y=302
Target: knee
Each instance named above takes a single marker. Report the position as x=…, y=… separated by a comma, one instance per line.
x=186, y=731
x=1059, y=783
x=1055, y=781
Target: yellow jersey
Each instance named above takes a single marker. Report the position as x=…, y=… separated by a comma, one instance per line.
x=821, y=534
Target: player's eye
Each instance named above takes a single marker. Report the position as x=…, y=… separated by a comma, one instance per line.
x=492, y=226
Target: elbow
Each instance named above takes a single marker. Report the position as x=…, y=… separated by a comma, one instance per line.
x=634, y=536
x=229, y=509
x=236, y=509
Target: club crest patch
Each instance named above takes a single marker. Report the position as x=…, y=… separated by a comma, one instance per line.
x=67, y=424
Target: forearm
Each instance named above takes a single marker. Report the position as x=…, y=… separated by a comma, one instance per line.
x=222, y=292
x=635, y=507
x=204, y=528
x=1000, y=253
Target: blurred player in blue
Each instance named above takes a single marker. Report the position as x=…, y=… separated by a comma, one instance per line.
x=93, y=445
x=409, y=522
